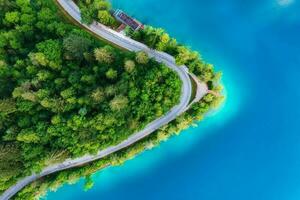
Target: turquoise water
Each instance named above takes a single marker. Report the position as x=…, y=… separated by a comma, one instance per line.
x=249, y=149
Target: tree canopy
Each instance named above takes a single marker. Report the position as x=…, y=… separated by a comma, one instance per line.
x=64, y=93
x=97, y=9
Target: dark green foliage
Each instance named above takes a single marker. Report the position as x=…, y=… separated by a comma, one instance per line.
x=54, y=181
x=10, y=163
x=76, y=45
x=63, y=94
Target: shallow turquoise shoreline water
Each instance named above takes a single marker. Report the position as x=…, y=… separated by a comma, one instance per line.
x=249, y=149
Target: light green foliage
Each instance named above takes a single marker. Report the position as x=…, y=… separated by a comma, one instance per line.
x=51, y=49
x=101, y=4
x=38, y=59
x=7, y=106
x=12, y=17
x=104, y=17
x=111, y=74
x=28, y=136
x=155, y=38
x=98, y=95
x=118, y=103
x=158, y=39
x=175, y=127
x=185, y=55
x=89, y=183
x=104, y=54
x=129, y=66
x=142, y=58
x=64, y=94
x=98, y=10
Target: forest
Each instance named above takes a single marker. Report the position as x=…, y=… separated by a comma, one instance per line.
x=64, y=93
x=155, y=38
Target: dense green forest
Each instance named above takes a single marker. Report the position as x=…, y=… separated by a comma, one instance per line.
x=55, y=181
x=158, y=39
x=64, y=93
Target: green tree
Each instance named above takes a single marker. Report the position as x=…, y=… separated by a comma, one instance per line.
x=111, y=74
x=118, y=103
x=89, y=183
x=163, y=44
x=28, y=136
x=10, y=163
x=104, y=54
x=12, y=17
x=129, y=66
x=7, y=106
x=185, y=55
x=142, y=58
x=98, y=95
x=38, y=59
x=102, y=5
x=76, y=45
x=110, y=90
x=105, y=18
x=55, y=99
x=152, y=36
x=51, y=49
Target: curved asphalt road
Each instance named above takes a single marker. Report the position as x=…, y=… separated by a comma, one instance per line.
x=120, y=40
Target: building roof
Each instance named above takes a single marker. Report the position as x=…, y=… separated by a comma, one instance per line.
x=129, y=21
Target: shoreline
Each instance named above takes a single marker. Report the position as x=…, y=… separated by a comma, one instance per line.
x=199, y=94
x=50, y=170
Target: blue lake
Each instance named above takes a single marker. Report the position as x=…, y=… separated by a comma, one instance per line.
x=250, y=148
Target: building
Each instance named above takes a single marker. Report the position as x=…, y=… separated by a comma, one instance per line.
x=127, y=20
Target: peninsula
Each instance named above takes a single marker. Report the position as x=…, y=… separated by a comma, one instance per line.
x=78, y=95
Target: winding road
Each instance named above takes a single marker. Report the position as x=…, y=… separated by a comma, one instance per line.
x=120, y=40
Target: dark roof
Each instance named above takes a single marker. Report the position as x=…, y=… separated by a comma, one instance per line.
x=125, y=19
